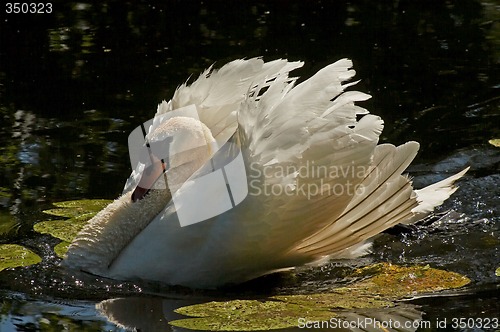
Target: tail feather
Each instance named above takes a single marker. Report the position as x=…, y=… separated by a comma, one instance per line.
x=388, y=206
x=372, y=227
x=359, y=223
x=434, y=195
x=376, y=197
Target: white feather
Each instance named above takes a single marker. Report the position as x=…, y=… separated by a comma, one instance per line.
x=434, y=195
x=300, y=144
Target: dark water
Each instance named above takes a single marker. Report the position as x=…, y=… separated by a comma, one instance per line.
x=75, y=82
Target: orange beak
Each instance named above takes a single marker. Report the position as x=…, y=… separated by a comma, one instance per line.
x=148, y=178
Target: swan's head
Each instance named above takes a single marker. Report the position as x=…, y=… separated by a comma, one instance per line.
x=178, y=148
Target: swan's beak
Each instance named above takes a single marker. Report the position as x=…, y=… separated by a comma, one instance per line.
x=148, y=178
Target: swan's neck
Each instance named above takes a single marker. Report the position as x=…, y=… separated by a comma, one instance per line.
x=112, y=229
x=105, y=236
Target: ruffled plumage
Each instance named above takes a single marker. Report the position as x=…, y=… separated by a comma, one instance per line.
x=319, y=186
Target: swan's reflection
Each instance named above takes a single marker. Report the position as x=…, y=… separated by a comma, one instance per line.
x=154, y=313
x=142, y=313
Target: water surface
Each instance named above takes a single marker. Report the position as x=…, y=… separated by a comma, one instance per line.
x=75, y=82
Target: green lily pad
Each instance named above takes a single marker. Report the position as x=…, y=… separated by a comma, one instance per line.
x=497, y=272
x=65, y=230
x=13, y=255
x=384, y=284
x=61, y=248
x=78, y=208
x=79, y=212
x=248, y=315
x=397, y=282
x=495, y=142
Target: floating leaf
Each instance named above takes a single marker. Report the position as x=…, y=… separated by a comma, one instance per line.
x=337, y=299
x=86, y=205
x=495, y=142
x=79, y=212
x=78, y=208
x=65, y=230
x=497, y=272
x=61, y=248
x=395, y=282
x=247, y=315
x=385, y=284
x=13, y=255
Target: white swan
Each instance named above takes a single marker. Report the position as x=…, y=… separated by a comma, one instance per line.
x=319, y=186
